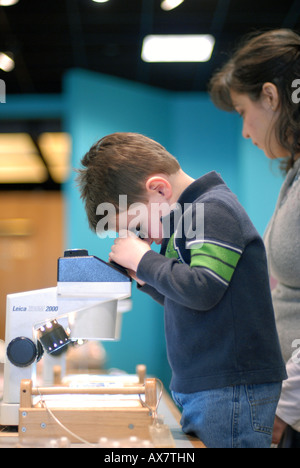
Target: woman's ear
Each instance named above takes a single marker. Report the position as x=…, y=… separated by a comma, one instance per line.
x=271, y=96
x=159, y=187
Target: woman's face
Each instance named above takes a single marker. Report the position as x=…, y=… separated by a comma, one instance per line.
x=259, y=118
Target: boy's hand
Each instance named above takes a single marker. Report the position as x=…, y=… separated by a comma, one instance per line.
x=128, y=250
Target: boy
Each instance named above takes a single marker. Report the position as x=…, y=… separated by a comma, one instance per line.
x=211, y=276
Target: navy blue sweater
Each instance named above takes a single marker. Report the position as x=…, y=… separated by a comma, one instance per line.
x=219, y=319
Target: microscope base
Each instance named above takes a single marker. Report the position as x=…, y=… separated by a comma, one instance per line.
x=9, y=414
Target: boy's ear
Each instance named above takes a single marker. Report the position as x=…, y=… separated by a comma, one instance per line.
x=159, y=185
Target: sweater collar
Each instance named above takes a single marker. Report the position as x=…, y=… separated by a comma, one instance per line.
x=199, y=187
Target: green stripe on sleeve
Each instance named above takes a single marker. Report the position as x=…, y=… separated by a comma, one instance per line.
x=171, y=252
x=222, y=253
x=219, y=260
x=218, y=267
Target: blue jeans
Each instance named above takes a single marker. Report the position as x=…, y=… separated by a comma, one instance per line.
x=241, y=416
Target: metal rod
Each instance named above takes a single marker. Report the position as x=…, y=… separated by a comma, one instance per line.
x=41, y=391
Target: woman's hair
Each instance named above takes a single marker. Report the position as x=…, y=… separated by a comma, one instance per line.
x=120, y=164
x=272, y=57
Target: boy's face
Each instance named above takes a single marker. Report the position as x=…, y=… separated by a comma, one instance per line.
x=144, y=220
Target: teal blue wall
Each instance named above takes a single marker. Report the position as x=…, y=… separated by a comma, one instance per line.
x=33, y=106
x=200, y=136
x=204, y=138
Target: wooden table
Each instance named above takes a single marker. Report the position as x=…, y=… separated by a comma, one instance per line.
x=167, y=408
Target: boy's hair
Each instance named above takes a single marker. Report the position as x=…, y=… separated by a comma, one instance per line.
x=120, y=164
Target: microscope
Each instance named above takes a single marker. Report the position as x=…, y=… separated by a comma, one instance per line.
x=83, y=305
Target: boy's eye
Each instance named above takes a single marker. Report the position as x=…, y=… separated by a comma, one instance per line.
x=139, y=232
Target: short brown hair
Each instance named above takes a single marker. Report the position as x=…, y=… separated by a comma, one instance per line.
x=120, y=164
x=273, y=57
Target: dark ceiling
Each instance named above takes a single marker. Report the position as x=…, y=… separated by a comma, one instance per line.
x=49, y=37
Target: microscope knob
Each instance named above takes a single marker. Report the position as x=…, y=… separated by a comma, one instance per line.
x=21, y=352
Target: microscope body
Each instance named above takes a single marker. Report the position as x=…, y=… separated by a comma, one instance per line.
x=84, y=302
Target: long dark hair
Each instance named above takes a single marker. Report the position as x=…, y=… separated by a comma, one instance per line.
x=273, y=57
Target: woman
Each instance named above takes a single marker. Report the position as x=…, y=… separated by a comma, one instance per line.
x=260, y=83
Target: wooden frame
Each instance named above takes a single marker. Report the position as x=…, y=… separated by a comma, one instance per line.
x=89, y=423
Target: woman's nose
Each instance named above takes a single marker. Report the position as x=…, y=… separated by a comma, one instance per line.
x=245, y=132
